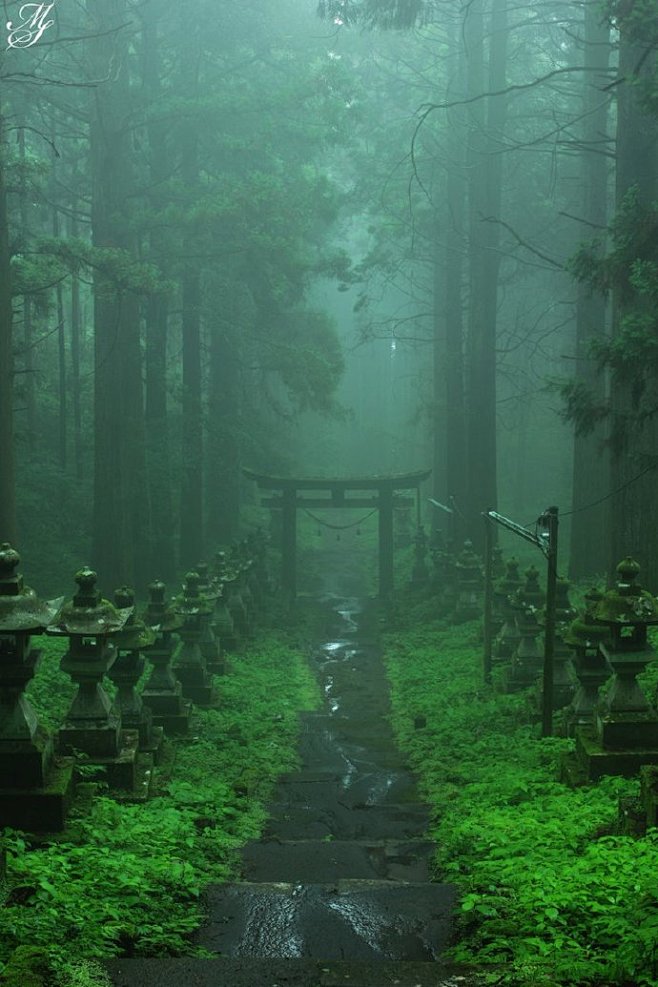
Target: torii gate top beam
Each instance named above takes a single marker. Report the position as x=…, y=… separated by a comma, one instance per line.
x=392, y=481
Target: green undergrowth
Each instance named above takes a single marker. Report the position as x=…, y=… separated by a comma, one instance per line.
x=549, y=892
x=128, y=879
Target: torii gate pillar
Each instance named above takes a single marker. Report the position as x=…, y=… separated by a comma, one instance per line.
x=289, y=543
x=385, y=541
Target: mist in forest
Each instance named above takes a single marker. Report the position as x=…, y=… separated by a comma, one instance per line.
x=359, y=238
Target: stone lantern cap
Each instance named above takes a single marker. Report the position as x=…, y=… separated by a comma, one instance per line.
x=192, y=601
x=159, y=614
x=585, y=631
x=210, y=588
x=88, y=613
x=511, y=580
x=530, y=593
x=627, y=603
x=20, y=607
x=135, y=634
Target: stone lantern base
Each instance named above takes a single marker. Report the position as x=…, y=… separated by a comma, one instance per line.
x=105, y=747
x=170, y=710
x=196, y=682
x=595, y=761
x=42, y=809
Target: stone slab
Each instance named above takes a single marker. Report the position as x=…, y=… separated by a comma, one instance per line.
x=344, y=822
x=285, y=973
x=362, y=920
x=319, y=861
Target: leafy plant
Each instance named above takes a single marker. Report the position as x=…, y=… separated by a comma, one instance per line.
x=549, y=889
x=127, y=879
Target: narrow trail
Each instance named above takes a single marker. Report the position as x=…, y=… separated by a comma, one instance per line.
x=337, y=891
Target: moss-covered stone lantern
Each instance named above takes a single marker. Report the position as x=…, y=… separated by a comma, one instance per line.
x=584, y=636
x=625, y=730
x=209, y=643
x=93, y=725
x=126, y=672
x=234, y=601
x=223, y=624
x=34, y=786
x=564, y=614
x=163, y=692
x=504, y=594
x=419, y=574
x=468, y=566
x=528, y=656
x=189, y=662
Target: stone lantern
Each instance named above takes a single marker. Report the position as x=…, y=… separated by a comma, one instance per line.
x=224, y=627
x=504, y=594
x=419, y=573
x=34, y=786
x=189, y=662
x=590, y=666
x=564, y=614
x=209, y=643
x=253, y=574
x=528, y=657
x=235, y=603
x=126, y=672
x=469, y=585
x=93, y=725
x=163, y=693
x=625, y=730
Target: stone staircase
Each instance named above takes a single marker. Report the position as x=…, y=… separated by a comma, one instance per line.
x=338, y=891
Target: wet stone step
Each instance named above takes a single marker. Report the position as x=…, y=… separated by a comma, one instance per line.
x=247, y=972
x=361, y=782
x=320, y=861
x=344, y=822
x=359, y=920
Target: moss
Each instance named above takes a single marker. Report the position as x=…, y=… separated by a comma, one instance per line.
x=28, y=966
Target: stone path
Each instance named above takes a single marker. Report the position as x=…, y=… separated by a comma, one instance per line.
x=337, y=891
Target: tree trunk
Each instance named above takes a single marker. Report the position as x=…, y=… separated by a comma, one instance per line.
x=162, y=541
x=449, y=354
x=589, y=552
x=634, y=509
x=8, y=531
x=485, y=199
x=76, y=327
x=223, y=455
x=120, y=520
x=191, y=506
x=29, y=354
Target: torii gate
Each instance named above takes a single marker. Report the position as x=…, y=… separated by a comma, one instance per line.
x=337, y=492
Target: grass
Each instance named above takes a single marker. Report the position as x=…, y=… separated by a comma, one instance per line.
x=551, y=894
x=128, y=879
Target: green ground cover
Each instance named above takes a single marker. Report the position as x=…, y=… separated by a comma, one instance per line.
x=550, y=893
x=128, y=879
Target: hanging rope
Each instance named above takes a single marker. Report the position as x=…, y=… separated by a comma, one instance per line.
x=340, y=527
